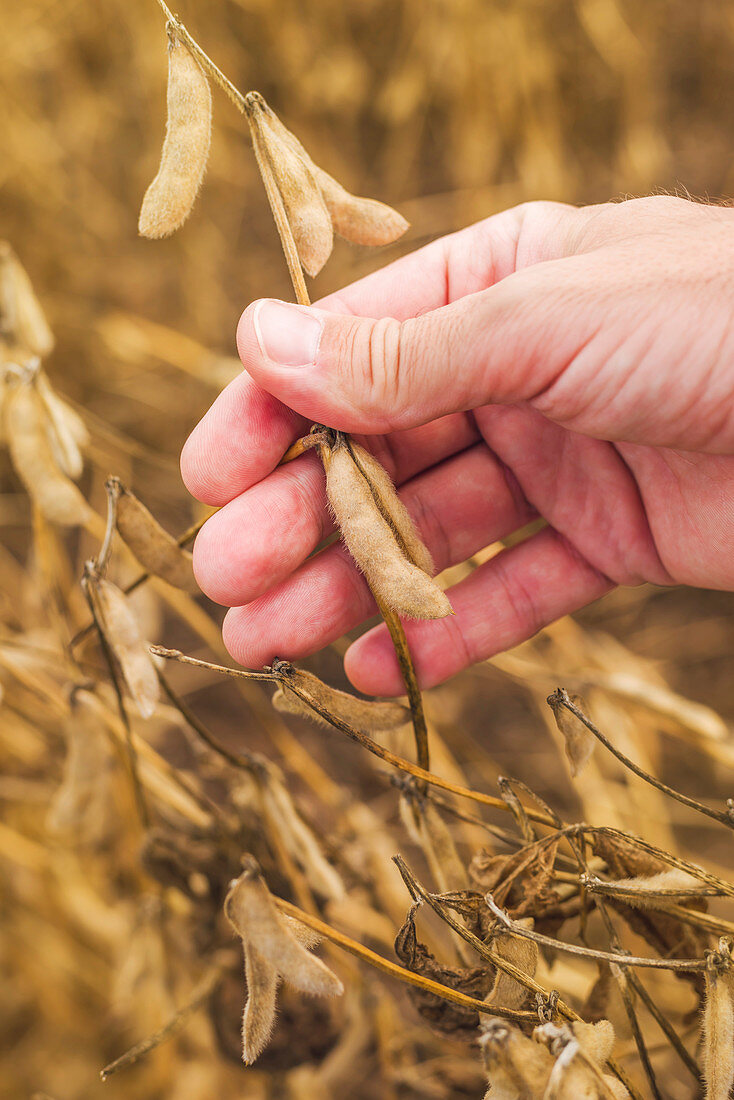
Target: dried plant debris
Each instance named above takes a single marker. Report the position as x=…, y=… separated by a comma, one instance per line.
x=559, y=1062
x=275, y=948
x=315, y=204
x=379, y=534
x=24, y=329
x=579, y=740
x=156, y=550
x=517, y=1067
x=305, y=695
x=717, y=1026
x=120, y=628
x=443, y=1016
x=170, y=197
x=34, y=444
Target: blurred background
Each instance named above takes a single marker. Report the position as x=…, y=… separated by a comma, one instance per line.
x=449, y=110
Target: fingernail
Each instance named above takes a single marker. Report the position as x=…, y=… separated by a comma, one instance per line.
x=287, y=334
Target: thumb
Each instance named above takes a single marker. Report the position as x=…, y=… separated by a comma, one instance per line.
x=504, y=344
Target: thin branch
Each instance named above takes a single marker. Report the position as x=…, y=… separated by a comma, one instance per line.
x=589, y=952
x=200, y=996
x=560, y=697
x=355, y=735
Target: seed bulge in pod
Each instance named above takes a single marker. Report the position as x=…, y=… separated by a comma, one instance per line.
x=392, y=508
x=371, y=540
x=366, y=715
x=156, y=550
x=170, y=197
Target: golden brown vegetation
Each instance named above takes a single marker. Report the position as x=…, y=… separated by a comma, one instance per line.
x=122, y=832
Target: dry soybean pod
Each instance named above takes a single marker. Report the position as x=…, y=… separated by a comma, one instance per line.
x=170, y=198
x=122, y=634
x=356, y=219
x=371, y=540
x=66, y=430
x=392, y=507
x=56, y=497
x=366, y=715
x=304, y=206
x=156, y=550
x=22, y=320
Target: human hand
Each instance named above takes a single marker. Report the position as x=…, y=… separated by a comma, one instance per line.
x=576, y=364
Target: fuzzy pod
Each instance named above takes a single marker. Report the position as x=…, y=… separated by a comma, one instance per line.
x=22, y=320
x=718, y=1033
x=122, y=634
x=31, y=450
x=156, y=550
x=579, y=741
x=517, y=1067
x=392, y=507
x=356, y=219
x=371, y=540
x=366, y=715
x=170, y=197
x=294, y=177
x=275, y=947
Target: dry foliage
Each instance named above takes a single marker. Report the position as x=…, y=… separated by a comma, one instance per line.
x=581, y=950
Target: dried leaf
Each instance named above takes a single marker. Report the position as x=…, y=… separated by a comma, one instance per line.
x=170, y=197
x=156, y=550
x=443, y=1016
x=366, y=715
x=373, y=544
x=120, y=628
x=56, y=497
